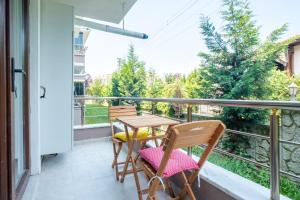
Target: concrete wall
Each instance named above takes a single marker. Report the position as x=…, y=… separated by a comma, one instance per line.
x=92, y=131
x=77, y=115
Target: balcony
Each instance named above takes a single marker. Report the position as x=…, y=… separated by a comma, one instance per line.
x=86, y=173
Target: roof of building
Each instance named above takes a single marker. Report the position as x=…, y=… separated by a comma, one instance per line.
x=292, y=41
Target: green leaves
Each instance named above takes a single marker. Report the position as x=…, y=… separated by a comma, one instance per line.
x=97, y=88
x=213, y=39
x=130, y=78
x=237, y=65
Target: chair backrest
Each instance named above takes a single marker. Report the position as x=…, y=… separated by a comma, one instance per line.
x=191, y=134
x=196, y=133
x=120, y=111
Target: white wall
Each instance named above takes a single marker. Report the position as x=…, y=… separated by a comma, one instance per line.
x=37, y=60
x=35, y=152
x=297, y=59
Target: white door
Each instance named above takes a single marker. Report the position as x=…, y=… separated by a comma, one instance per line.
x=56, y=77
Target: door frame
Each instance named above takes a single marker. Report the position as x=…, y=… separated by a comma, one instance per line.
x=26, y=105
x=4, y=169
x=7, y=166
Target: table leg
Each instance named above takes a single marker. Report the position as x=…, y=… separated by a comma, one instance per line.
x=154, y=134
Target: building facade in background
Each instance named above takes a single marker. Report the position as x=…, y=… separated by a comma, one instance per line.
x=81, y=78
x=293, y=66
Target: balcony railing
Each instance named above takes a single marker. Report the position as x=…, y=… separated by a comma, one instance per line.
x=185, y=107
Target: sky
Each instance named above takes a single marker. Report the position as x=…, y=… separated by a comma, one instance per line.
x=174, y=34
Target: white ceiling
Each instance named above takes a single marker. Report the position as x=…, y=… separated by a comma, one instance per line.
x=103, y=10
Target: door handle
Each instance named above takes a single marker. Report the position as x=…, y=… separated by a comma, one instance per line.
x=20, y=71
x=13, y=89
x=43, y=96
x=13, y=71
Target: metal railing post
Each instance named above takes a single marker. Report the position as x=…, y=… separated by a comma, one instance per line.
x=152, y=108
x=82, y=114
x=274, y=149
x=189, y=119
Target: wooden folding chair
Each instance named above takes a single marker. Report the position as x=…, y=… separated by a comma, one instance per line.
x=160, y=163
x=119, y=138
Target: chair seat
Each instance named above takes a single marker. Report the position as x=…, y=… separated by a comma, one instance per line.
x=178, y=161
x=142, y=134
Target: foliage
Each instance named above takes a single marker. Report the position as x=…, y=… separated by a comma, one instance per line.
x=155, y=85
x=278, y=83
x=97, y=88
x=236, y=60
x=129, y=79
x=196, y=85
x=174, y=87
x=252, y=172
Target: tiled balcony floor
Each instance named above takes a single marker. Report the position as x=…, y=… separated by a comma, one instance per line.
x=85, y=173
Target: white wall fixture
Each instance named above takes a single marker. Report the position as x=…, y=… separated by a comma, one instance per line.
x=102, y=27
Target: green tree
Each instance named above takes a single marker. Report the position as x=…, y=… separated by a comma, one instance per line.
x=278, y=83
x=196, y=85
x=155, y=85
x=129, y=79
x=238, y=64
x=174, y=87
x=97, y=88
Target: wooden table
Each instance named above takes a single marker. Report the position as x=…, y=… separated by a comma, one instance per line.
x=135, y=123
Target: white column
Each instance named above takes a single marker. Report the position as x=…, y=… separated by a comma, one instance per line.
x=35, y=151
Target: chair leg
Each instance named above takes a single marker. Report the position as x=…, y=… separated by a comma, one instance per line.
x=152, y=189
x=116, y=153
x=116, y=156
x=130, y=149
x=190, y=192
x=136, y=178
x=169, y=187
x=187, y=190
x=152, y=198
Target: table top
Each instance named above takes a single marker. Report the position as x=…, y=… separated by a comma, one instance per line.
x=144, y=121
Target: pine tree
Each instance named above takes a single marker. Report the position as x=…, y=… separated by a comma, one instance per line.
x=238, y=63
x=129, y=80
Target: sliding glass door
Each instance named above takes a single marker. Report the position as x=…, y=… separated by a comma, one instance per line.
x=14, y=104
x=19, y=77
x=17, y=36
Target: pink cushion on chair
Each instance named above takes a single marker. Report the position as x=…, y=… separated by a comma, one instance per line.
x=178, y=161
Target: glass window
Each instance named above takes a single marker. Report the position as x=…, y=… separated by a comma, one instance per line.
x=78, y=88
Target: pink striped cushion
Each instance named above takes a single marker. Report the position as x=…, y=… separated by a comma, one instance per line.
x=178, y=161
